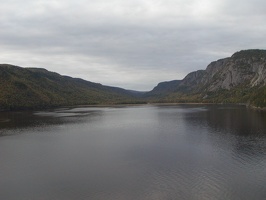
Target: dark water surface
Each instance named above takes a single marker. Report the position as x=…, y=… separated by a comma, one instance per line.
x=133, y=153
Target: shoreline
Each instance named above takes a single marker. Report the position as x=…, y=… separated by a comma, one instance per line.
x=129, y=104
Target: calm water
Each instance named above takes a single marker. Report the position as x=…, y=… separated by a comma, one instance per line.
x=134, y=153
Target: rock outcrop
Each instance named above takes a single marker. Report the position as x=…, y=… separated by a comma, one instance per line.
x=243, y=68
x=238, y=78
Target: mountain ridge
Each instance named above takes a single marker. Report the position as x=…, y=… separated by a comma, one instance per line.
x=240, y=78
x=32, y=88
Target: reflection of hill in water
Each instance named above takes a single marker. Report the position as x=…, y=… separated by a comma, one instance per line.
x=244, y=128
x=27, y=119
x=235, y=120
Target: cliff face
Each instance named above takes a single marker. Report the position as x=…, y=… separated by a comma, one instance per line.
x=239, y=78
x=247, y=68
x=241, y=69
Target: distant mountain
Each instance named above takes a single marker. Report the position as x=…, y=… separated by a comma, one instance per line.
x=24, y=88
x=240, y=78
x=164, y=88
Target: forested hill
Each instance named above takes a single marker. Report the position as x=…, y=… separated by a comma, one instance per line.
x=240, y=78
x=26, y=88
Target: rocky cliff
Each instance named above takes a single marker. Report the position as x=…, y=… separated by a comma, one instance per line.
x=243, y=68
x=240, y=78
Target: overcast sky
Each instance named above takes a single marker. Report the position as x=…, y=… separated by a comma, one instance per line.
x=134, y=44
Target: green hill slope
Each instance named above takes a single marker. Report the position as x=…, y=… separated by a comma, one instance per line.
x=24, y=88
x=240, y=78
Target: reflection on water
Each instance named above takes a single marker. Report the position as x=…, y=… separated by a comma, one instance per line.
x=143, y=152
x=16, y=122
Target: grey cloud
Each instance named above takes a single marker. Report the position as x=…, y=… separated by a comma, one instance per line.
x=115, y=41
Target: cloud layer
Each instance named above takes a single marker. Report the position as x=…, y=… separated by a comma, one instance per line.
x=128, y=43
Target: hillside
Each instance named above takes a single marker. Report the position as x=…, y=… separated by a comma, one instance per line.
x=24, y=88
x=163, y=88
x=240, y=78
